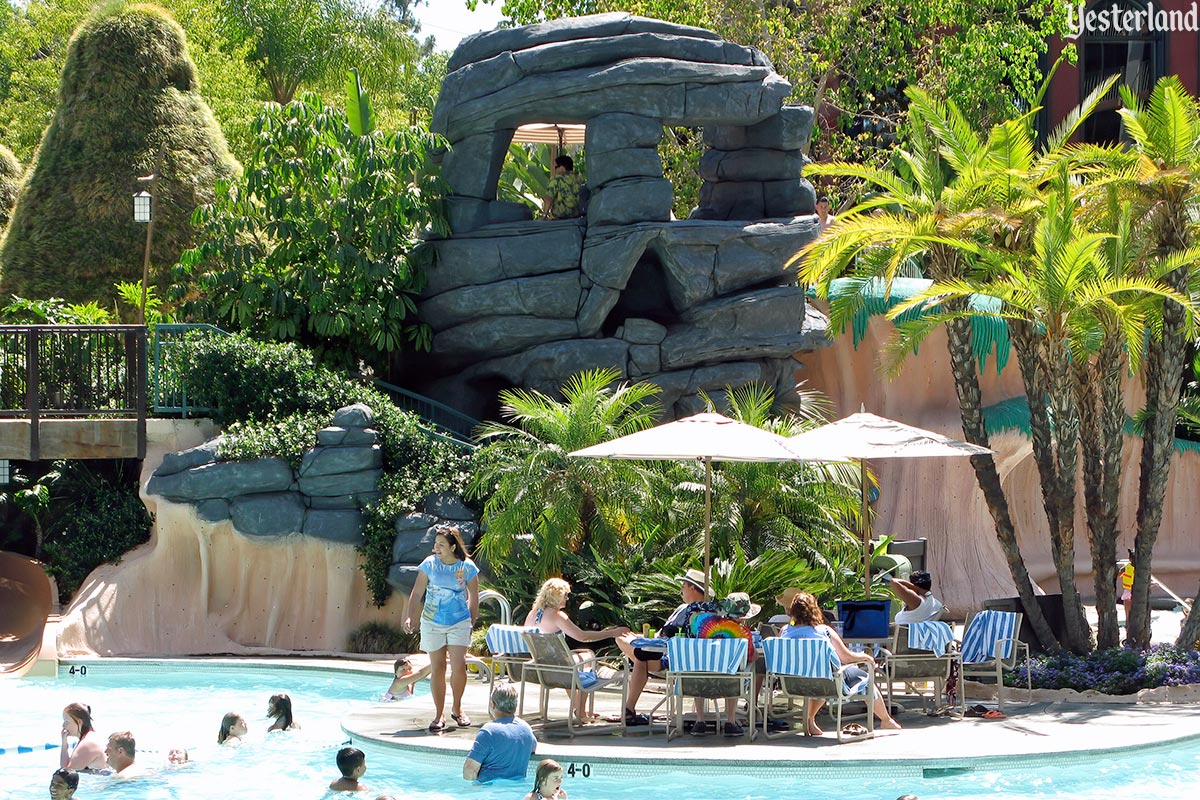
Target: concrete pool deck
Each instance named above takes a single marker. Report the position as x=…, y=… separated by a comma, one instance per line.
x=1041, y=733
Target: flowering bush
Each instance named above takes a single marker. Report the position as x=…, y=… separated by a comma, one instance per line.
x=1115, y=671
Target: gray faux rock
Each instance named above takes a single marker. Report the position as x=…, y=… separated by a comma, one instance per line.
x=610, y=132
x=412, y=546
x=789, y=198
x=415, y=521
x=215, y=510
x=499, y=335
x=341, y=501
x=547, y=366
x=341, y=484
x=751, y=164
x=469, y=213
x=193, y=457
x=358, y=415
x=644, y=359
x=630, y=162
x=556, y=295
x=644, y=331
x=790, y=129
x=449, y=507
x=345, y=526
x=515, y=251
x=333, y=437
x=472, y=167
x=268, y=515
x=401, y=577
x=335, y=460
x=223, y=479
x=751, y=325
x=631, y=200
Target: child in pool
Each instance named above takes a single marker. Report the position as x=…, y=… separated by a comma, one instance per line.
x=547, y=782
x=279, y=708
x=353, y=764
x=406, y=675
x=233, y=728
x=177, y=756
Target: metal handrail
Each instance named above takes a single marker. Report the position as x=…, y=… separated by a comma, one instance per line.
x=501, y=602
x=173, y=399
x=455, y=425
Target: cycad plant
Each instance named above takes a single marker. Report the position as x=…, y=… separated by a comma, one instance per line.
x=1165, y=134
x=537, y=497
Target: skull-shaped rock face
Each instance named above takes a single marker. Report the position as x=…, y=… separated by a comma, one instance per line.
x=703, y=304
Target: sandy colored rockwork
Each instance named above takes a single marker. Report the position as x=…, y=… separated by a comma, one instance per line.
x=200, y=587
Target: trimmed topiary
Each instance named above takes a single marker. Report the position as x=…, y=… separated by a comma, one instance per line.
x=128, y=88
x=10, y=182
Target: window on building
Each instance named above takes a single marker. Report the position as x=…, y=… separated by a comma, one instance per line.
x=1136, y=56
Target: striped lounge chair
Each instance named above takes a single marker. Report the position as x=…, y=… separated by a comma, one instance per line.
x=808, y=668
x=707, y=669
x=990, y=646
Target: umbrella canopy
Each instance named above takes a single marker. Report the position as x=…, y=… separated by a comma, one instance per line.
x=560, y=134
x=864, y=436
x=706, y=437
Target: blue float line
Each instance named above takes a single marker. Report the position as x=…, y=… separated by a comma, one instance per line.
x=21, y=748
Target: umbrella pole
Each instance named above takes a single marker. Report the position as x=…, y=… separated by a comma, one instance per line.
x=866, y=529
x=707, y=522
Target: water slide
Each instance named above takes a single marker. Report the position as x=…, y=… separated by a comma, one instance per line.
x=24, y=604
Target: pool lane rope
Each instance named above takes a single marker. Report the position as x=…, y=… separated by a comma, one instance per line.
x=23, y=748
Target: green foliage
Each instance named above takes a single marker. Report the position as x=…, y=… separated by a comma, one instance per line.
x=381, y=638
x=319, y=242
x=130, y=294
x=534, y=489
x=286, y=437
x=99, y=519
x=128, y=87
x=54, y=311
x=10, y=181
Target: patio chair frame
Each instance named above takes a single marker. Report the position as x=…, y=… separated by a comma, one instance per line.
x=508, y=661
x=909, y=668
x=554, y=665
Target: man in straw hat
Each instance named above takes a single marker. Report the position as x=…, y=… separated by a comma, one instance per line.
x=691, y=586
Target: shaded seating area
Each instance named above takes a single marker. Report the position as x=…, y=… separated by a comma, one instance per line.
x=553, y=665
x=804, y=669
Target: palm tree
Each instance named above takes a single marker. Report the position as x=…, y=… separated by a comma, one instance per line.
x=1165, y=134
x=934, y=198
x=539, y=496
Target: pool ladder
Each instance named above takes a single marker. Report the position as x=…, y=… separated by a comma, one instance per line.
x=485, y=669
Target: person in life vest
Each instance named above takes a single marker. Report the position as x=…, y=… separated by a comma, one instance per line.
x=1126, y=576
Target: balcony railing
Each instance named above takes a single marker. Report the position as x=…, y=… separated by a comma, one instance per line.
x=73, y=371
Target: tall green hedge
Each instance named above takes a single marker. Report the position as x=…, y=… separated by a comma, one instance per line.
x=128, y=88
x=10, y=182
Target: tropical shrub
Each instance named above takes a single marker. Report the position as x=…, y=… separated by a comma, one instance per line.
x=380, y=637
x=10, y=182
x=318, y=243
x=128, y=89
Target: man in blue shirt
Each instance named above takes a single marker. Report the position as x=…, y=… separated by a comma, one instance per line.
x=503, y=746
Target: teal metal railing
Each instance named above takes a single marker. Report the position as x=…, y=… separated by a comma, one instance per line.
x=446, y=422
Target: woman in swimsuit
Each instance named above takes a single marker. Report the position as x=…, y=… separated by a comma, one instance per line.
x=547, y=782
x=548, y=616
x=88, y=753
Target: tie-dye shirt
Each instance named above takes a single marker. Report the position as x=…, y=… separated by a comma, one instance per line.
x=446, y=595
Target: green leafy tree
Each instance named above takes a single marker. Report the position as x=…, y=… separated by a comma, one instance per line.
x=32, y=498
x=298, y=44
x=318, y=242
x=534, y=491
x=128, y=89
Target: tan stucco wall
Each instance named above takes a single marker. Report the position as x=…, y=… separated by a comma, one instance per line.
x=939, y=498
x=201, y=587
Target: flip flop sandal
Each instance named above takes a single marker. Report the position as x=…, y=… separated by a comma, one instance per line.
x=461, y=720
x=437, y=726
x=854, y=729
x=633, y=719
x=976, y=711
x=994, y=714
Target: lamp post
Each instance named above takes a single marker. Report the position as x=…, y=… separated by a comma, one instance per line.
x=143, y=211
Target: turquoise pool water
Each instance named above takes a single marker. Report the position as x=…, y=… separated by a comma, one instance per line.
x=171, y=705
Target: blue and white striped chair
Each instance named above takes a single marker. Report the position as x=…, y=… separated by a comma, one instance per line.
x=510, y=654
x=707, y=669
x=809, y=669
x=922, y=655
x=991, y=645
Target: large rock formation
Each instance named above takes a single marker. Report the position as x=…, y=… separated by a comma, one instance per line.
x=694, y=305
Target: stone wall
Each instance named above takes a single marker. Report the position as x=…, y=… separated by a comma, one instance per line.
x=695, y=305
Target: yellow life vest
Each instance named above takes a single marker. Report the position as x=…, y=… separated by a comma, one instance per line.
x=1127, y=577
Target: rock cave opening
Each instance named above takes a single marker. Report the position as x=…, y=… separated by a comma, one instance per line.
x=645, y=296
x=484, y=397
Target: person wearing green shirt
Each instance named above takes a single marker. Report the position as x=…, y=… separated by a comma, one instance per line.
x=564, y=199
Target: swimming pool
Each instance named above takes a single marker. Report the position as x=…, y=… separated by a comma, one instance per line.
x=180, y=704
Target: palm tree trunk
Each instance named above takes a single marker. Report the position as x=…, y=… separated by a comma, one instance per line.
x=1190, y=631
x=1164, y=368
x=1102, y=416
x=970, y=404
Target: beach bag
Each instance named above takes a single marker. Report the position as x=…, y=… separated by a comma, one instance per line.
x=865, y=619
